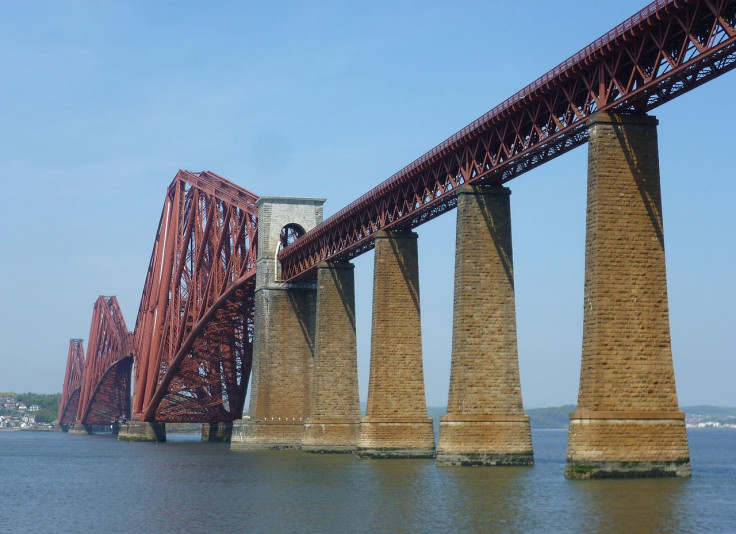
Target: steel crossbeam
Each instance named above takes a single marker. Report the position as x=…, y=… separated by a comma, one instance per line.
x=105, y=393
x=193, y=334
x=69, y=404
x=665, y=50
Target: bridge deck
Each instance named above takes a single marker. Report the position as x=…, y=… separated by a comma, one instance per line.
x=665, y=50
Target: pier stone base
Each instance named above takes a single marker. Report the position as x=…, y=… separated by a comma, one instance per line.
x=396, y=437
x=485, y=440
x=625, y=445
x=142, y=431
x=81, y=430
x=331, y=435
x=255, y=435
x=217, y=432
x=628, y=422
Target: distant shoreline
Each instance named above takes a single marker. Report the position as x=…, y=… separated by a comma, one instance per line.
x=696, y=417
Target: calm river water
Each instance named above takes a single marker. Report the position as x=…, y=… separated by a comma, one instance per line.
x=54, y=482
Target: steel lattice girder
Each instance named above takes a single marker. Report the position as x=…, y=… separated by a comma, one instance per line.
x=193, y=335
x=665, y=50
x=103, y=397
x=112, y=394
x=70, y=391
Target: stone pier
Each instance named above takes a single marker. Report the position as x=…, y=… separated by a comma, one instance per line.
x=282, y=369
x=283, y=345
x=396, y=424
x=217, y=432
x=334, y=415
x=142, y=431
x=80, y=429
x=628, y=423
x=485, y=422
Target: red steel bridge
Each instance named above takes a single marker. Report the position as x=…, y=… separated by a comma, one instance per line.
x=97, y=389
x=72, y=384
x=192, y=344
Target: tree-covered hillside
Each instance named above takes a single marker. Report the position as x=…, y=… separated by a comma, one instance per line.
x=48, y=405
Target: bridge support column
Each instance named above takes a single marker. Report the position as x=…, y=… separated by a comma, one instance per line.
x=282, y=369
x=396, y=423
x=217, y=432
x=80, y=429
x=142, y=431
x=627, y=423
x=334, y=415
x=485, y=422
x=283, y=344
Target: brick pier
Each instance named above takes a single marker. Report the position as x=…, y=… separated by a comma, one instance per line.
x=334, y=415
x=283, y=344
x=628, y=422
x=396, y=423
x=217, y=432
x=485, y=422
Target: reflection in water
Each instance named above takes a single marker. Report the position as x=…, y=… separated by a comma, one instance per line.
x=489, y=498
x=94, y=483
x=634, y=505
x=394, y=493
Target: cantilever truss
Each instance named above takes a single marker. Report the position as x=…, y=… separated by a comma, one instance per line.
x=105, y=392
x=665, y=50
x=72, y=384
x=193, y=334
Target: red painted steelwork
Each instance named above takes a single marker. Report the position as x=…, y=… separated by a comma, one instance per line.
x=105, y=392
x=193, y=334
x=72, y=384
x=665, y=50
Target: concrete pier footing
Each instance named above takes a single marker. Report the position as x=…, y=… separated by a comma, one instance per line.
x=142, y=431
x=628, y=422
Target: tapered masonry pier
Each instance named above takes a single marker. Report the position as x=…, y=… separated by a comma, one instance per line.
x=334, y=415
x=396, y=424
x=283, y=344
x=627, y=422
x=485, y=422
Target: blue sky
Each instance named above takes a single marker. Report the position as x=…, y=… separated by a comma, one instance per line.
x=102, y=102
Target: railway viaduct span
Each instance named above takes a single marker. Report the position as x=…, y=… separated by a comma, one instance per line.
x=245, y=290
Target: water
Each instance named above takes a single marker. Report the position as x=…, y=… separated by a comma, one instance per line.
x=55, y=482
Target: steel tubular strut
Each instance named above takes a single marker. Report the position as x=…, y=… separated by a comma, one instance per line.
x=665, y=50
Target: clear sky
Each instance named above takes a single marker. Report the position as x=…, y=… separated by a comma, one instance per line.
x=102, y=102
